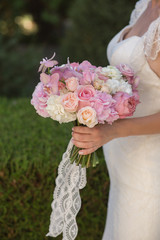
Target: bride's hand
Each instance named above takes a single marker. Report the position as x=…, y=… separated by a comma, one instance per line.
x=90, y=139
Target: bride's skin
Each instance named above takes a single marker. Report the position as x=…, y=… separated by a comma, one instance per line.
x=90, y=139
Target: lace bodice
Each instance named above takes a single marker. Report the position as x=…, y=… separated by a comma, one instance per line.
x=151, y=39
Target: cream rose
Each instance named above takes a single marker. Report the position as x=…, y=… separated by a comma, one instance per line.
x=87, y=116
x=72, y=83
x=70, y=102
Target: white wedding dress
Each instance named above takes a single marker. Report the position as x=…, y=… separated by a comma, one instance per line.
x=134, y=162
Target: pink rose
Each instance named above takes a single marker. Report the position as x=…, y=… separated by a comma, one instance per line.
x=125, y=104
x=39, y=100
x=125, y=70
x=70, y=102
x=85, y=92
x=72, y=83
x=87, y=116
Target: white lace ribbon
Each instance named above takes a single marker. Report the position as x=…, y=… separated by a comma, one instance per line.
x=67, y=201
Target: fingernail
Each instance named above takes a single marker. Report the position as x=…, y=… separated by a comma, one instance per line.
x=72, y=129
x=80, y=152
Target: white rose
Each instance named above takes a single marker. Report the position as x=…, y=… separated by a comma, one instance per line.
x=87, y=116
x=112, y=72
x=125, y=87
x=113, y=85
x=57, y=111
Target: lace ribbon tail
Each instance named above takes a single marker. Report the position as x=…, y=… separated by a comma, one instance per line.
x=67, y=201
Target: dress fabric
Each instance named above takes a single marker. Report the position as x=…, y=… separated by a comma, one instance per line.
x=133, y=162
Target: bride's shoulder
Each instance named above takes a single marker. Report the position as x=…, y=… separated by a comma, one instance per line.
x=152, y=40
x=140, y=7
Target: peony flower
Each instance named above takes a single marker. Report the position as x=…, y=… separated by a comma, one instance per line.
x=70, y=102
x=85, y=92
x=102, y=103
x=125, y=104
x=87, y=116
x=72, y=83
x=39, y=100
x=98, y=106
x=105, y=98
x=46, y=63
x=57, y=112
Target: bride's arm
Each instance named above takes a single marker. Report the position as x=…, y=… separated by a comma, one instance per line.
x=90, y=139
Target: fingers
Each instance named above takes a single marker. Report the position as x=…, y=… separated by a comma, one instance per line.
x=81, y=144
x=88, y=151
x=81, y=137
x=81, y=129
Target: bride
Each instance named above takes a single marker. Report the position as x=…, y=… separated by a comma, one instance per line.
x=131, y=146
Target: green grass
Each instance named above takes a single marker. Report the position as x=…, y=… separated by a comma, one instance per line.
x=31, y=148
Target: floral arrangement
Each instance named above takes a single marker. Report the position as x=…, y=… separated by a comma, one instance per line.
x=85, y=95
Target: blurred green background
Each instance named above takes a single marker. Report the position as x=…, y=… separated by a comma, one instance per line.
x=31, y=147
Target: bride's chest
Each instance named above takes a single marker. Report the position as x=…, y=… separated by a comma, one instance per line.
x=123, y=51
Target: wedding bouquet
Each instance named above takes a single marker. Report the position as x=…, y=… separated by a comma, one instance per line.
x=85, y=95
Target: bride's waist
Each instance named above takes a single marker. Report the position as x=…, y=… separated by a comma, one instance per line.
x=138, y=145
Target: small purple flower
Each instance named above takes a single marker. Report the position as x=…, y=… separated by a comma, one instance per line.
x=46, y=63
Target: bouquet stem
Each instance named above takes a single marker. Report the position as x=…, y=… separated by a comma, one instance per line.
x=85, y=160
